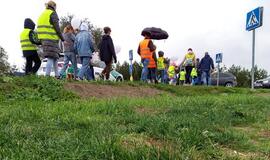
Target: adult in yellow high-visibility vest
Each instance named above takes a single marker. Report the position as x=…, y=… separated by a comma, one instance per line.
x=29, y=41
x=188, y=62
x=49, y=33
x=145, y=50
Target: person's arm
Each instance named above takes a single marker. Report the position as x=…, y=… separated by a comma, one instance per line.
x=112, y=50
x=139, y=50
x=54, y=20
x=91, y=43
x=34, y=38
x=151, y=46
x=200, y=63
x=72, y=37
x=75, y=46
x=182, y=61
x=212, y=64
x=154, y=56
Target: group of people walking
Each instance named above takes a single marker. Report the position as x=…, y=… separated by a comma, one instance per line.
x=191, y=70
x=73, y=42
x=79, y=43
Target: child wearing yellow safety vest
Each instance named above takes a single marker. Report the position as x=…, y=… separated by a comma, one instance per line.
x=194, y=75
x=182, y=76
x=171, y=74
x=29, y=40
x=161, y=66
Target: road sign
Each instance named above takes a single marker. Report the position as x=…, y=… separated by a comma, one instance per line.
x=254, y=19
x=219, y=58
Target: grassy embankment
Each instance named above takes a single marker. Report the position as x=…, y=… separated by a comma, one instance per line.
x=40, y=120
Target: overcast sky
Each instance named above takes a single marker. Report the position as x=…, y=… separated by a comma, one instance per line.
x=204, y=25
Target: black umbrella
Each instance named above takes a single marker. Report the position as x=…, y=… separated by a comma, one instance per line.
x=155, y=33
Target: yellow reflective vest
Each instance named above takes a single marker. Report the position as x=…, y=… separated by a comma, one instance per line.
x=160, y=63
x=171, y=71
x=26, y=44
x=45, y=29
x=194, y=73
x=190, y=58
x=182, y=76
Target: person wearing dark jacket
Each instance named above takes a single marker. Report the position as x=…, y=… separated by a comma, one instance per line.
x=49, y=33
x=198, y=71
x=107, y=52
x=29, y=40
x=206, y=67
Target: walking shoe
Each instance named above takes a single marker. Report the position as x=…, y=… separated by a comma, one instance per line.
x=78, y=79
x=58, y=77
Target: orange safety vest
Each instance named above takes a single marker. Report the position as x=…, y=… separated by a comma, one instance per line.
x=152, y=63
x=145, y=50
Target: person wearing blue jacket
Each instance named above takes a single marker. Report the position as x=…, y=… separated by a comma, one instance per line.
x=206, y=66
x=83, y=46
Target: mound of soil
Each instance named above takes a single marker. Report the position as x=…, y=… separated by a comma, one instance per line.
x=85, y=90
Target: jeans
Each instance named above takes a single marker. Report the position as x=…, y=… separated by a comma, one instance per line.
x=206, y=78
x=194, y=81
x=85, y=69
x=166, y=76
x=144, y=75
x=51, y=62
x=69, y=57
x=29, y=68
x=161, y=75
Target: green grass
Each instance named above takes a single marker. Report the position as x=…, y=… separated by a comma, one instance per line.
x=39, y=120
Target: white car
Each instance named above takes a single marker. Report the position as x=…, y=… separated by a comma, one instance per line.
x=114, y=75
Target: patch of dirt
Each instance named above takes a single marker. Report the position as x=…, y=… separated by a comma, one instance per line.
x=265, y=134
x=85, y=90
x=149, y=110
x=241, y=155
x=132, y=141
x=245, y=129
x=266, y=95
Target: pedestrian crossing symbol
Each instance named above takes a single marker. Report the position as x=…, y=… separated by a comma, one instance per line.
x=219, y=58
x=254, y=19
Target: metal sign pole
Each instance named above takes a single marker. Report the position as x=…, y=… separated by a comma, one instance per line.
x=131, y=65
x=253, y=59
x=218, y=76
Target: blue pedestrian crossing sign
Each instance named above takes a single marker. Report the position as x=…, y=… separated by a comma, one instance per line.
x=254, y=19
x=219, y=58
